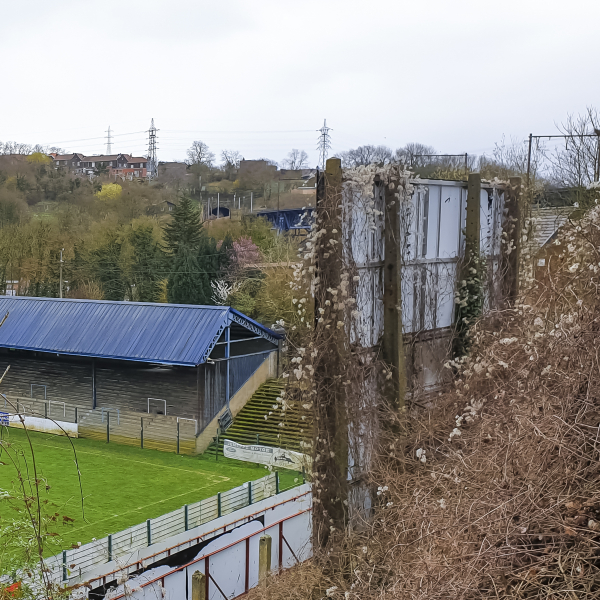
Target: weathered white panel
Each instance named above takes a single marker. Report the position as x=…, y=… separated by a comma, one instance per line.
x=44, y=425
x=445, y=297
x=451, y=221
x=433, y=221
x=486, y=217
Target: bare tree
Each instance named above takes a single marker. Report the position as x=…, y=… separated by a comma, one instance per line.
x=574, y=163
x=509, y=159
x=231, y=159
x=365, y=155
x=415, y=154
x=199, y=153
x=296, y=159
x=14, y=148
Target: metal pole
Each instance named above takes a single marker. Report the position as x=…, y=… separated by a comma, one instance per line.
x=249, y=492
x=93, y=383
x=227, y=353
x=219, y=504
x=251, y=198
x=107, y=426
x=186, y=517
x=149, y=532
x=142, y=432
x=529, y=160
x=280, y=545
x=110, y=548
x=277, y=482
x=218, y=205
x=597, y=173
x=76, y=414
x=178, y=436
x=60, y=291
x=64, y=565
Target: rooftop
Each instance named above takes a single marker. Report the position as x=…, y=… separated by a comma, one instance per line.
x=548, y=221
x=172, y=334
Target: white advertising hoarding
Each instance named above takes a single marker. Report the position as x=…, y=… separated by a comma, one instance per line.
x=266, y=455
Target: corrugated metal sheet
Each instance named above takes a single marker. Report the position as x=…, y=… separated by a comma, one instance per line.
x=156, y=333
x=548, y=222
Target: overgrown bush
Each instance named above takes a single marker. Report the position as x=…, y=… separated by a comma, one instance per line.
x=493, y=491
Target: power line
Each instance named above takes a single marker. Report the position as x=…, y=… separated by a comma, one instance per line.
x=239, y=131
x=102, y=137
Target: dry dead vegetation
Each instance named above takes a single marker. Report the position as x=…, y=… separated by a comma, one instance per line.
x=494, y=492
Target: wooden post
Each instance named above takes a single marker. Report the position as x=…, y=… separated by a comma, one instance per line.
x=393, y=343
x=198, y=586
x=512, y=229
x=473, y=216
x=264, y=559
x=331, y=430
x=471, y=291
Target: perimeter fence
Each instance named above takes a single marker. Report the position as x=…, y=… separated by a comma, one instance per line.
x=77, y=561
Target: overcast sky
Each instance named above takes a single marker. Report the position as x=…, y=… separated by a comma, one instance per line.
x=260, y=77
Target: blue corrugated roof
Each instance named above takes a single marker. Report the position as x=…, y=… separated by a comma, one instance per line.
x=178, y=334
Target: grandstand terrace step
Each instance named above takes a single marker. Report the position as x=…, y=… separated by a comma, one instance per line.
x=250, y=422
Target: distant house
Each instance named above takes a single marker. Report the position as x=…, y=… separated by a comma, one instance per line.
x=257, y=169
x=117, y=165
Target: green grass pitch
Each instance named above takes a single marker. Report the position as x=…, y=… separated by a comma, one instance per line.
x=122, y=486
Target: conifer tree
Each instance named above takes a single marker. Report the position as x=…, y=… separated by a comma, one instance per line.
x=183, y=236
x=185, y=228
x=147, y=264
x=185, y=284
x=225, y=253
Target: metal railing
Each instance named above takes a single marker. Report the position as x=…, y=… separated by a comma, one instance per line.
x=157, y=400
x=245, y=541
x=130, y=428
x=74, y=562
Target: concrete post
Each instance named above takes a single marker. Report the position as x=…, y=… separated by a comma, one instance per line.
x=393, y=346
x=264, y=559
x=198, y=586
x=473, y=215
x=512, y=228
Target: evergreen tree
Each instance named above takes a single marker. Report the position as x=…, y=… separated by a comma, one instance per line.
x=147, y=263
x=183, y=236
x=185, y=228
x=208, y=265
x=186, y=283
x=108, y=268
x=225, y=252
